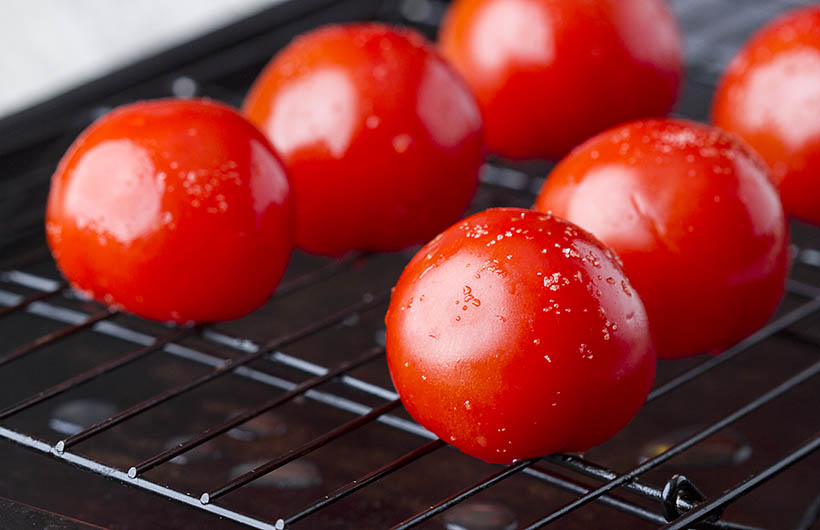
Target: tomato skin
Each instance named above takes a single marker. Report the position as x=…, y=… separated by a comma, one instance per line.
x=173, y=210
x=549, y=74
x=770, y=96
x=515, y=334
x=381, y=138
x=691, y=212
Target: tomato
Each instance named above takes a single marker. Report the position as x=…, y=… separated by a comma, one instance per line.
x=692, y=214
x=770, y=96
x=382, y=139
x=172, y=210
x=515, y=334
x=548, y=74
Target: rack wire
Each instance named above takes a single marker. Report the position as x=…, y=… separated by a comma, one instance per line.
x=221, y=65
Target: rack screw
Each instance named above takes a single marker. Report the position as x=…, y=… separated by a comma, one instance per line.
x=679, y=492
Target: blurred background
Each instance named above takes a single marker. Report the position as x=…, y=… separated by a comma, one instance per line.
x=49, y=46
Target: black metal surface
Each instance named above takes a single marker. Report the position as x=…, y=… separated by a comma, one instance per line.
x=247, y=415
x=712, y=508
x=45, y=340
x=17, y=516
x=288, y=417
x=491, y=480
x=298, y=452
x=366, y=480
x=776, y=392
x=224, y=368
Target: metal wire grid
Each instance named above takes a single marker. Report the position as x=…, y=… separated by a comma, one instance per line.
x=681, y=500
x=682, y=505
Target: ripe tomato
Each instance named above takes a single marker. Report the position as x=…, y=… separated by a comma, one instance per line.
x=381, y=139
x=515, y=334
x=770, y=96
x=173, y=210
x=549, y=74
x=690, y=211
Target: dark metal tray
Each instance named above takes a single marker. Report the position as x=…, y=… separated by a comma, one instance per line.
x=288, y=415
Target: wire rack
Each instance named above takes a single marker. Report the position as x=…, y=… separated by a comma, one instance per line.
x=287, y=417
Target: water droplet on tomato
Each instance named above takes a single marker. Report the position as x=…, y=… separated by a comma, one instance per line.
x=627, y=291
x=401, y=143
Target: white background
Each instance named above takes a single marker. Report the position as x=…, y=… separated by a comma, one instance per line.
x=48, y=46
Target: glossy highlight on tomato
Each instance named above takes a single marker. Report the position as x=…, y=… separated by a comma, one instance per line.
x=548, y=74
x=516, y=334
x=381, y=138
x=770, y=96
x=691, y=212
x=173, y=210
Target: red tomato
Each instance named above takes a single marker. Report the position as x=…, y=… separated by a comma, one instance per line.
x=515, y=334
x=770, y=96
x=549, y=74
x=381, y=139
x=173, y=210
x=690, y=211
